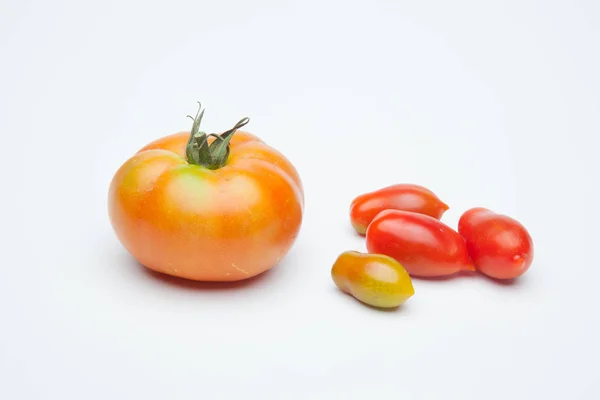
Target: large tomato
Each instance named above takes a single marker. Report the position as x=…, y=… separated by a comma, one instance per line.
x=207, y=207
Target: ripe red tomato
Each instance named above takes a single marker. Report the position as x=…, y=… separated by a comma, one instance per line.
x=424, y=245
x=405, y=197
x=499, y=245
x=207, y=207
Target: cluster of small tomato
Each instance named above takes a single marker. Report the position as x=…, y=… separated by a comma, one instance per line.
x=406, y=238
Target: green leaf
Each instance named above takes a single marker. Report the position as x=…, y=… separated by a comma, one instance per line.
x=199, y=152
x=220, y=147
x=202, y=150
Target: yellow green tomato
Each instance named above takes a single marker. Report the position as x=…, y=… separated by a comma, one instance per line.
x=374, y=279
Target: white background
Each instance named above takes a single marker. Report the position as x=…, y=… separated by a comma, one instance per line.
x=493, y=104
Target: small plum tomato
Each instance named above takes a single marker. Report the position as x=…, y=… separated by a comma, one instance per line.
x=499, y=245
x=425, y=246
x=373, y=279
x=404, y=197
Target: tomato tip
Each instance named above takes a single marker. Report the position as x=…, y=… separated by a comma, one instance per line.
x=359, y=228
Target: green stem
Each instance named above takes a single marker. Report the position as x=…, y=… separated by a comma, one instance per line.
x=199, y=152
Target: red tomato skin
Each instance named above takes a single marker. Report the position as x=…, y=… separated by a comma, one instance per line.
x=425, y=246
x=404, y=196
x=499, y=245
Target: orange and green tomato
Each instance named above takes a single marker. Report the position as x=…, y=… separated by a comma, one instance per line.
x=207, y=208
x=374, y=279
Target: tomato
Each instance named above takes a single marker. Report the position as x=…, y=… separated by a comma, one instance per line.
x=374, y=279
x=405, y=197
x=207, y=207
x=499, y=245
x=425, y=246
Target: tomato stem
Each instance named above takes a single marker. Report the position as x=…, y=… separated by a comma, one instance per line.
x=214, y=155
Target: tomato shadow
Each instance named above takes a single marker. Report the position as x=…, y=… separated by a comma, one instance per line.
x=401, y=309
x=279, y=271
x=458, y=275
x=189, y=284
x=202, y=285
x=515, y=282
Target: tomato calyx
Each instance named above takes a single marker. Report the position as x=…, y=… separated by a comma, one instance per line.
x=198, y=151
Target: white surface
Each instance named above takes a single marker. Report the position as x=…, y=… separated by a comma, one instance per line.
x=493, y=104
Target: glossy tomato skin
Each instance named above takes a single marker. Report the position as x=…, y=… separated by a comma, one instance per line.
x=425, y=246
x=500, y=246
x=374, y=279
x=404, y=197
x=185, y=220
